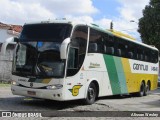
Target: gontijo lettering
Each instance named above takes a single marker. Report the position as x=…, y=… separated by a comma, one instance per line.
x=154, y=68
x=140, y=67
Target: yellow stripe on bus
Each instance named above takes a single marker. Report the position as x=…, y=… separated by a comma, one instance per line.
x=46, y=80
x=127, y=72
x=133, y=80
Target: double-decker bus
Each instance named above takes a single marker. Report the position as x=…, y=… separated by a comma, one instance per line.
x=63, y=60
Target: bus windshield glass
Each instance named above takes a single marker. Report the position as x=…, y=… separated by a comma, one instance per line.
x=38, y=51
x=53, y=32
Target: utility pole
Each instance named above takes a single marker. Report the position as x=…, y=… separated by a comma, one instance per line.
x=111, y=26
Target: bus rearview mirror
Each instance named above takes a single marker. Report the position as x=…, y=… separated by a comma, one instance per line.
x=16, y=39
x=63, y=48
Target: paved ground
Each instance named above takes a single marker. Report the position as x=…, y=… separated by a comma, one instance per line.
x=9, y=102
x=129, y=103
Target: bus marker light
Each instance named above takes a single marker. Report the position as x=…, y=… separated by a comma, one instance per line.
x=15, y=83
x=51, y=87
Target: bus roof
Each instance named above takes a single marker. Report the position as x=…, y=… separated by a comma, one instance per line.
x=94, y=26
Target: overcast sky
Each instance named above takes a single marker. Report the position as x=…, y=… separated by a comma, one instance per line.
x=101, y=12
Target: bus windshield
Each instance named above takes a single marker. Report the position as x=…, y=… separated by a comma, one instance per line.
x=53, y=32
x=38, y=51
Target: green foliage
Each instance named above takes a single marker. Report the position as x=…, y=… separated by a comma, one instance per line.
x=4, y=85
x=149, y=24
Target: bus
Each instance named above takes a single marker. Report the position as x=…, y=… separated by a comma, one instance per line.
x=63, y=60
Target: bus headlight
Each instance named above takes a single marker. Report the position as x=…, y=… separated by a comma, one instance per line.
x=51, y=87
x=15, y=83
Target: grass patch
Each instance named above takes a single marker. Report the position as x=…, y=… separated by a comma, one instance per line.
x=5, y=84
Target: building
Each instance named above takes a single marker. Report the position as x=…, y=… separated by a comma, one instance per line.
x=7, y=45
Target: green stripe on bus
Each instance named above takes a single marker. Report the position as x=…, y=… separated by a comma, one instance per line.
x=32, y=80
x=112, y=72
x=121, y=74
x=39, y=80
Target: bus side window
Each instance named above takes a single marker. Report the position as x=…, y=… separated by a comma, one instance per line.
x=96, y=41
x=108, y=45
x=137, y=52
x=77, y=50
x=0, y=46
x=119, y=53
x=130, y=55
x=140, y=56
x=109, y=50
x=146, y=58
x=92, y=47
x=72, y=65
x=121, y=48
x=154, y=58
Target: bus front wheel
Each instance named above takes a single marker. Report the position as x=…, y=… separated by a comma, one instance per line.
x=91, y=94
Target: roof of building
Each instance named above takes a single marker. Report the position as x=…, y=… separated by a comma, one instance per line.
x=16, y=28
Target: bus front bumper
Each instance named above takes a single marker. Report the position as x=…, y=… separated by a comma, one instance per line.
x=38, y=93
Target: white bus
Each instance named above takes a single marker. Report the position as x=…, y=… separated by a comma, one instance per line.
x=63, y=60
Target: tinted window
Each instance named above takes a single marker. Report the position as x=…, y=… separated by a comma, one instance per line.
x=79, y=38
x=154, y=56
x=109, y=45
x=96, y=41
x=45, y=32
x=77, y=50
x=112, y=45
x=0, y=46
x=121, y=47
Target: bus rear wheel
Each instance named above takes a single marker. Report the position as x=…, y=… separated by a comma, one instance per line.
x=147, y=88
x=91, y=94
x=142, y=90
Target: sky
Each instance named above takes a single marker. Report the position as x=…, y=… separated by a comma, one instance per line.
x=100, y=12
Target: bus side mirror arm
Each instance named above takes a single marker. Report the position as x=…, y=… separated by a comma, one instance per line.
x=64, y=47
x=16, y=40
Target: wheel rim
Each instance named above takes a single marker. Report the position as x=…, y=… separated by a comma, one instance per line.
x=147, y=88
x=91, y=94
x=142, y=89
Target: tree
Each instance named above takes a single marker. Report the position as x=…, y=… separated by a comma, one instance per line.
x=149, y=24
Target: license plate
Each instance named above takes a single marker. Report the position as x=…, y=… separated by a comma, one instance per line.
x=31, y=93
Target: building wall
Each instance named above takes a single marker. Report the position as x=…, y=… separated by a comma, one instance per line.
x=6, y=59
x=4, y=35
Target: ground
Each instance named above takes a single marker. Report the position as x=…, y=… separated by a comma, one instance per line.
x=104, y=107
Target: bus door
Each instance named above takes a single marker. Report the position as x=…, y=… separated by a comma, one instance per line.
x=75, y=74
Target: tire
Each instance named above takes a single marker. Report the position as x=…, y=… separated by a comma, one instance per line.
x=91, y=94
x=142, y=90
x=146, y=90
